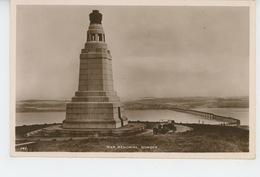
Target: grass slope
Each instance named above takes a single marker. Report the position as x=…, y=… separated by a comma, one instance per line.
x=203, y=138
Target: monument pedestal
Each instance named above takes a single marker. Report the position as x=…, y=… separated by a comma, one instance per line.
x=56, y=131
x=94, y=115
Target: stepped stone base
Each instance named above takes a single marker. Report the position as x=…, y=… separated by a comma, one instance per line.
x=58, y=131
x=94, y=115
x=88, y=123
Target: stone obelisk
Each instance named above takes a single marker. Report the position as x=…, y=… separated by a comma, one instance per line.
x=95, y=104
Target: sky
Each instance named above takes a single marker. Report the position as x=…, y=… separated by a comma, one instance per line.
x=157, y=51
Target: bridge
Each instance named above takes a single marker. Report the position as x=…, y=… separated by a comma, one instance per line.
x=229, y=120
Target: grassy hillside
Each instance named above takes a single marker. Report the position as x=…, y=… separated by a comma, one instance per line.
x=203, y=138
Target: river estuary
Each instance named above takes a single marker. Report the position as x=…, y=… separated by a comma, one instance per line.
x=29, y=118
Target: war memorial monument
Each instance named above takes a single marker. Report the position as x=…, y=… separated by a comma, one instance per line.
x=95, y=104
x=95, y=109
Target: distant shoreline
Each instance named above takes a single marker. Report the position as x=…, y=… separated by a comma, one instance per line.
x=143, y=104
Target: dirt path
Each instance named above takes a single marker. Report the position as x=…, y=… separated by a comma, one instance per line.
x=182, y=128
x=179, y=129
x=146, y=132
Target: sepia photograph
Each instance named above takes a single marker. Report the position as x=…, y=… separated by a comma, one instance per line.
x=163, y=81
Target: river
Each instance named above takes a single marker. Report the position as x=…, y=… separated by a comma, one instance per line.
x=29, y=118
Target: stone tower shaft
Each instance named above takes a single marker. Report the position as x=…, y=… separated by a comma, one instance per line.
x=95, y=104
x=95, y=75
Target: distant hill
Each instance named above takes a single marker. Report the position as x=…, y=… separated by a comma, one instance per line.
x=191, y=102
x=141, y=103
x=40, y=105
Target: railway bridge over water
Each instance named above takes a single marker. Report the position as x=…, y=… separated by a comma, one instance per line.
x=229, y=120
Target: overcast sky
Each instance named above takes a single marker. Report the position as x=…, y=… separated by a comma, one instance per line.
x=156, y=51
